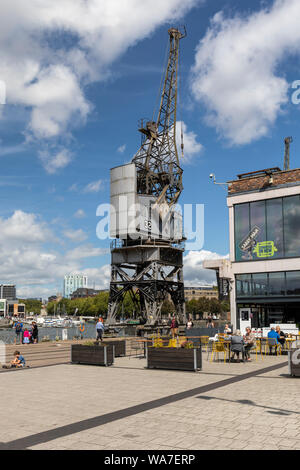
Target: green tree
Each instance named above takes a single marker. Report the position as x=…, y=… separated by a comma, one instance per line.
x=32, y=306
x=167, y=308
x=192, y=306
x=214, y=306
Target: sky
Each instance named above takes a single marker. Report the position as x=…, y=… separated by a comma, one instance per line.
x=79, y=75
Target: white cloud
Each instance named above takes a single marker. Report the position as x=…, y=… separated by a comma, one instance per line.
x=73, y=187
x=51, y=50
x=52, y=163
x=27, y=261
x=76, y=235
x=80, y=214
x=237, y=72
x=122, y=148
x=86, y=251
x=94, y=187
x=194, y=273
x=24, y=227
x=8, y=150
x=99, y=276
x=192, y=148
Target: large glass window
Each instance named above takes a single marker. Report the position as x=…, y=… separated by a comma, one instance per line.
x=244, y=285
x=277, y=284
x=260, y=284
x=293, y=283
x=274, y=224
x=258, y=219
x=267, y=229
x=242, y=228
x=291, y=219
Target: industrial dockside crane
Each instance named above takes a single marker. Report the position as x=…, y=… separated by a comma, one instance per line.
x=147, y=253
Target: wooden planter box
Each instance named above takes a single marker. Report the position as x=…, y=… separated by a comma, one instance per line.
x=120, y=346
x=93, y=355
x=294, y=369
x=174, y=358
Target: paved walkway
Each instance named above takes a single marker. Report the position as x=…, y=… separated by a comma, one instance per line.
x=225, y=406
x=52, y=353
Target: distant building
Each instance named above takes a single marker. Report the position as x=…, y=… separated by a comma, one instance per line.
x=8, y=291
x=83, y=292
x=11, y=308
x=55, y=298
x=195, y=293
x=73, y=282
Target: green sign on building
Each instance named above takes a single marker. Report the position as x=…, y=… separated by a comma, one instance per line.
x=265, y=249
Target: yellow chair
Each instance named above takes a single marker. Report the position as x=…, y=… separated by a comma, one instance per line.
x=204, y=340
x=257, y=348
x=219, y=347
x=271, y=343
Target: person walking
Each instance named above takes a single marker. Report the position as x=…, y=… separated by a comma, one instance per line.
x=100, y=330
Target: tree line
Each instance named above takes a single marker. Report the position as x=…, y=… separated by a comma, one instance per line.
x=98, y=305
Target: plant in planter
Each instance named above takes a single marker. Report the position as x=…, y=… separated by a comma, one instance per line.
x=187, y=345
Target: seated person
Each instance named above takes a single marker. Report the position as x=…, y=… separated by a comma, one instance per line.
x=281, y=338
x=273, y=335
x=17, y=362
x=227, y=330
x=250, y=341
x=237, y=345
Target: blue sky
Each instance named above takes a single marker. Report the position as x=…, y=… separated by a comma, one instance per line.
x=76, y=90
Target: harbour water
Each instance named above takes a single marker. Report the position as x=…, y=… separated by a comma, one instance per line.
x=8, y=335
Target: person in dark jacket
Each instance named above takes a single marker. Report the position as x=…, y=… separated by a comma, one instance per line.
x=237, y=345
x=34, y=333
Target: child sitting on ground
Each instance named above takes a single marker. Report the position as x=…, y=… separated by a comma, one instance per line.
x=17, y=362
